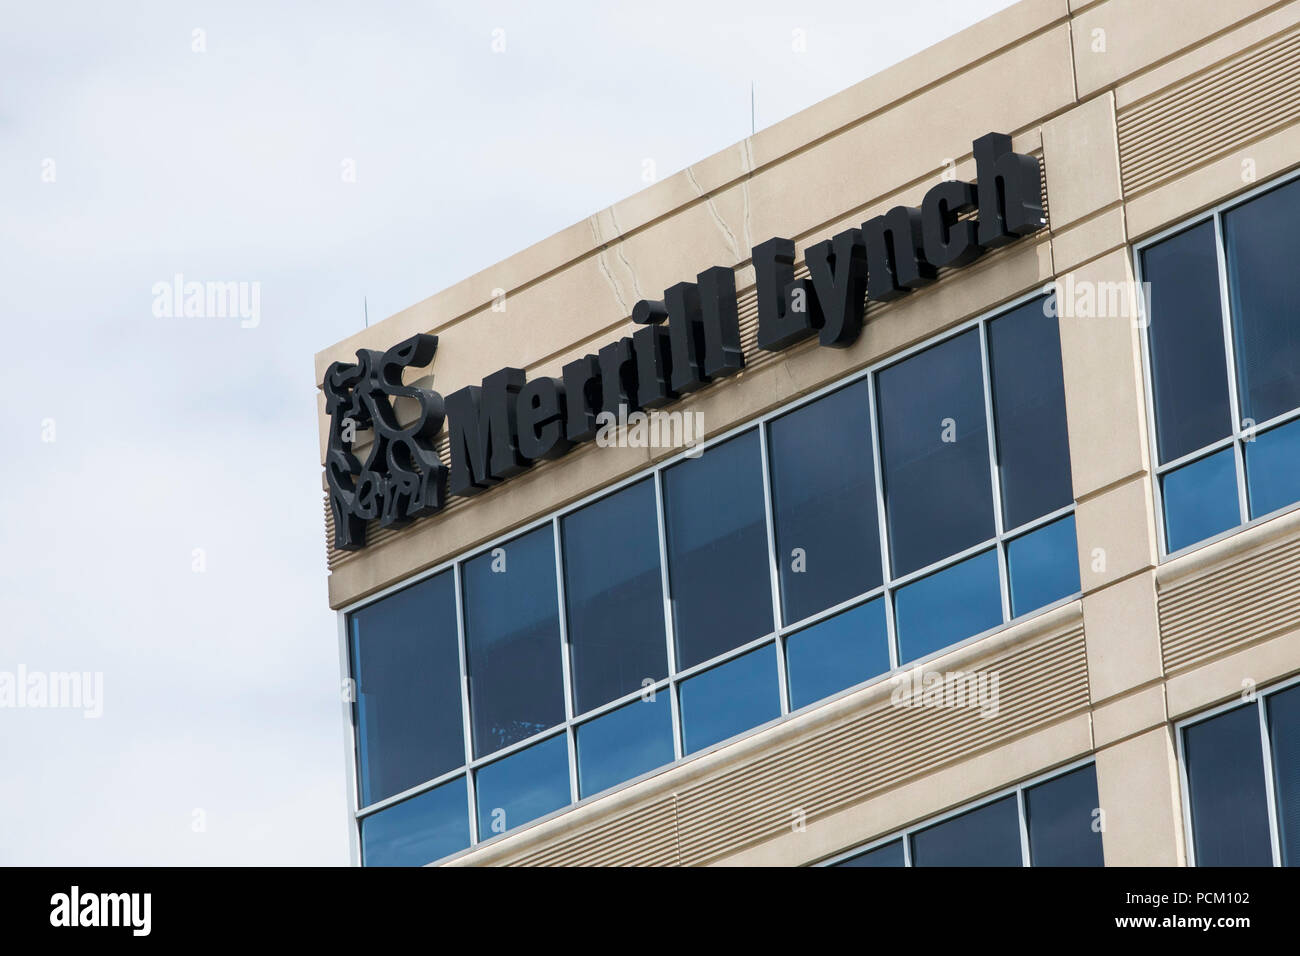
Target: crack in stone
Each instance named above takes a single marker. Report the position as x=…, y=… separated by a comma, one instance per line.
x=713, y=211
x=636, y=286
x=604, y=268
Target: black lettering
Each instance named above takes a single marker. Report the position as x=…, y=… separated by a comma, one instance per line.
x=540, y=417
x=948, y=240
x=895, y=254
x=839, y=276
x=618, y=376
x=787, y=308
x=722, y=352
x=1010, y=191
x=581, y=398
x=653, y=366
x=686, y=337
x=484, y=439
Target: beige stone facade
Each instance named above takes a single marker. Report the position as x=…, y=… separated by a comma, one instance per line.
x=1144, y=112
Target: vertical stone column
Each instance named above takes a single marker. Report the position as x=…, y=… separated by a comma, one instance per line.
x=1137, y=773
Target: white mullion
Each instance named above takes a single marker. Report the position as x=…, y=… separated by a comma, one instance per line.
x=670, y=630
x=1230, y=364
x=995, y=478
x=425, y=786
x=1189, y=835
x=1276, y=420
x=350, y=744
x=524, y=743
x=1149, y=390
x=885, y=562
x=726, y=657
x=565, y=662
x=1270, y=785
x=769, y=518
x=1040, y=522
x=466, y=721
x=943, y=564
x=1023, y=815
x=847, y=604
x=1205, y=451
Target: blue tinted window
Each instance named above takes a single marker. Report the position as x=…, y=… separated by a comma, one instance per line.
x=730, y=699
x=824, y=502
x=717, y=550
x=890, y=854
x=420, y=830
x=524, y=786
x=614, y=594
x=948, y=606
x=986, y=836
x=1273, y=469
x=1059, y=815
x=1044, y=566
x=1201, y=499
x=625, y=743
x=847, y=649
x=406, y=664
x=1284, y=737
x=1029, y=413
x=1225, y=776
x=1188, y=363
x=934, y=453
x=512, y=641
x=1259, y=240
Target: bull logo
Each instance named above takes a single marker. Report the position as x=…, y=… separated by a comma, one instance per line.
x=402, y=477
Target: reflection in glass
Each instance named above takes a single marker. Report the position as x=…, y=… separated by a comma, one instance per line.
x=614, y=595
x=406, y=665
x=1200, y=499
x=1062, y=820
x=625, y=743
x=719, y=575
x=730, y=699
x=1188, y=362
x=1225, y=777
x=890, y=854
x=1273, y=469
x=986, y=836
x=934, y=453
x=1044, y=566
x=417, y=831
x=837, y=652
x=824, y=502
x=1028, y=389
x=523, y=786
x=512, y=641
x=948, y=606
x=1260, y=245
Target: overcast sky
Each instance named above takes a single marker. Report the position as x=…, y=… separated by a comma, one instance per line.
x=161, y=521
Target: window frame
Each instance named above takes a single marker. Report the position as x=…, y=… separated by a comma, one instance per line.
x=905, y=833
x=778, y=633
x=1237, y=440
x=1266, y=742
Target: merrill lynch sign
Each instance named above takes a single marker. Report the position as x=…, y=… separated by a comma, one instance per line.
x=688, y=339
